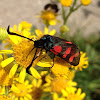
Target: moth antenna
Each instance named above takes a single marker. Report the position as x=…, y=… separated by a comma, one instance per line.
x=11, y=33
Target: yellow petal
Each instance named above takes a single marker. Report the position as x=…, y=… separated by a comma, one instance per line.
x=15, y=27
x=46, y=30
x=25, y=98
x=44, y=64
x=22, y=98
x=52, y=22
x=38, y=32
x=78, y=91
x=26, y=33
x=15, y=89
x=6, y=51
x=55, y=96
x=34, y=82
x=29, y=96
x=13, y=70
x=15, y=39
x=64, y=93
x=20, y=27
x=7, y=61
x=39, y=83
x=83, y=95
x=35, y=73
x=16, y=98
x=52, y=32
x=1, y=58
x=22, y=75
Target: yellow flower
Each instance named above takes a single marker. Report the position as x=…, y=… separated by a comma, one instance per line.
x=66, y=3
x=4, y=73
x=22, y=56
x=26, y=25
x=61, y=68
x=85, y=2
x=3, y=97
x=21, y=91
x=20, y=29
x=37, y=89
x=2, y=90
x=3, y=33
x=57, y=85
x=83, y=62
x=49, y=17
x=73, y=95
x=22, y=53
x=39, y=33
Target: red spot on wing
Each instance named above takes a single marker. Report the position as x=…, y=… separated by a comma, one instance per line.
x=68, y=42
x=67, y=52
x=57, y=49
x=72, y=57
x=56, y=53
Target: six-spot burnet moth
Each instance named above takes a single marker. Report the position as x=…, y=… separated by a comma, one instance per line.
x=59, y=47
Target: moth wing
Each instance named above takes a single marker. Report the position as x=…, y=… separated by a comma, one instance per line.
x=67, y=51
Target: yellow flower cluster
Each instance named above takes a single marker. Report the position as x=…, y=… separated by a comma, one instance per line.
x=85, y=2
x=54, y=80
x=66, y=3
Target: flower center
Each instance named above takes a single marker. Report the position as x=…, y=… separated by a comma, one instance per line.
x=22, y=52
x=48, y=15
x=36, y=93
x=3, y=97
x=58, y=84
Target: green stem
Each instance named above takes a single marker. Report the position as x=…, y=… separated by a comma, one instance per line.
x=47, y=24
x=72, y=9
x=66, y=18
x=63, y=12
x=6, y=92
x=77, y=7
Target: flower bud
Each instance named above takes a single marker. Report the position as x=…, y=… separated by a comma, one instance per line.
x=85, y=2
x=3, y=33
x=64, y=29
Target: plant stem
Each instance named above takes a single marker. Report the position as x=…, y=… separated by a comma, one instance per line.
x=77, y=7
x=72, y=9
x=63, y=12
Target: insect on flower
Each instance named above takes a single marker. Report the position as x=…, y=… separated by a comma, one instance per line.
x=52, y=7
x=59, y=47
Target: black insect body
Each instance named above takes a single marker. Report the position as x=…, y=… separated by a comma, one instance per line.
x=59, y=47
x=51, y=7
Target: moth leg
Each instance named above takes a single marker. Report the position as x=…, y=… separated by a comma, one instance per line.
x=27, y=69
x=44, y=56
x=30, y=52
x=53, y=61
